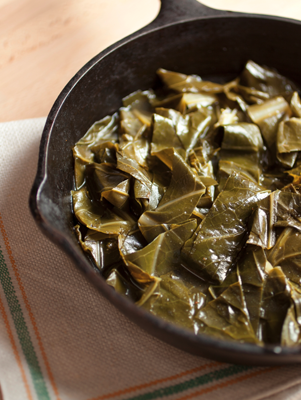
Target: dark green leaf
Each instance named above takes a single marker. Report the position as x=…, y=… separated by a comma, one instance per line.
x=228, y=315
x=221, y=235
x=265, y=80
x=188, y=83
x=94, y=216
x=180, y=199
x=268, y=116
x=177, y=301
x=289, y=141
x=252, y=270
x=165, y=141
x=276, y=301
x=162, y=255
x=287, y=254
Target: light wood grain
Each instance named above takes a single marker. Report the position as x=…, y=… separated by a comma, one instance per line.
x=43, y=43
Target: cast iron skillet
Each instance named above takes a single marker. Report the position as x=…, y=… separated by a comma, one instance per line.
x=186, y=37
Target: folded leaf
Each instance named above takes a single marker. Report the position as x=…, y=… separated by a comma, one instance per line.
x=287, y=254
x=119, y=195
x=241, y=150
x=165, y=141
x=228, y=314
x=131, y=167
x=105, y=129
x=276, y=301
x=123, y=283
x=94, y=216
x=162, y=255
x=252, y=271
x=289, y=141
x=103, y=178
x=187, y=83
x=265, y=79
x=179, y=200
x=177, y=300
x=268, y=116
x=221, y=235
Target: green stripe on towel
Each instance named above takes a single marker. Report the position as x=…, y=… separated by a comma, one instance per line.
x=22, y=331
x=210, y=377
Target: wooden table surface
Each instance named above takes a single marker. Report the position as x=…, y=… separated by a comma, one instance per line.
x=43, y=43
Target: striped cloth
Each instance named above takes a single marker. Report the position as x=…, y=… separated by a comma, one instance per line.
x=59, y=339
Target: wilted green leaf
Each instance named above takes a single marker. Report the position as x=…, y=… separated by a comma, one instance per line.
x=221, y=235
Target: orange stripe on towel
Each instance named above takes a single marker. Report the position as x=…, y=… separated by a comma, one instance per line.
x=156, y=382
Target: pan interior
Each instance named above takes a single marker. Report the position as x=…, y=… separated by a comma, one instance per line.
x=214, y=48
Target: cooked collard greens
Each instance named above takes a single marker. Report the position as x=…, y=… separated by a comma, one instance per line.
x=188, y=201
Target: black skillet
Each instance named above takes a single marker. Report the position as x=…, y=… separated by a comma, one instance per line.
x=187, y=37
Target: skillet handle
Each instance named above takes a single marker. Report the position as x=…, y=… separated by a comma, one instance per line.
x=172, y=11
